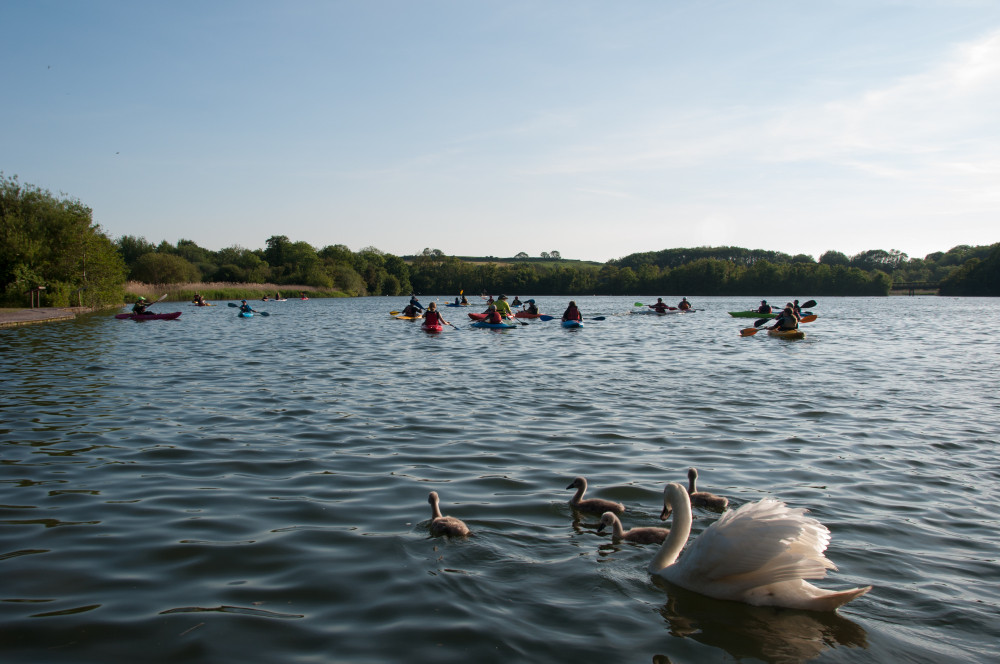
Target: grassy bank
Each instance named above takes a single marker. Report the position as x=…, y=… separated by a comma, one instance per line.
x=220, y=290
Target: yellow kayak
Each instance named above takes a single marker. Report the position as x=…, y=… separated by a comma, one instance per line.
x=787, y=334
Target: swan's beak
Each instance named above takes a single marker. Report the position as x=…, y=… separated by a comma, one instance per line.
x=665, y=514
x=571, y=486
x=600, y=528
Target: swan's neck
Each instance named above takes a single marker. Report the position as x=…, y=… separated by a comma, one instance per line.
x=579, y=494
x=619, y=529
x=680, y=529
x=692, y=484
x=435, y=510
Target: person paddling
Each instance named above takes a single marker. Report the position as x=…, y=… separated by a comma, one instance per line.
x=492, y=315
x=415, y=303
x=764, y=307
x=245, y=307
x=786, y=321
x=140, y=305
x=684, y=305
x=516, y=302
x=572, y=313
x=660, y=307
x=433, y=317
x=532, y=308
x=503, y=307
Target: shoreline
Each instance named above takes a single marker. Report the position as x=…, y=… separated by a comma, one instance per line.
x=16, y=317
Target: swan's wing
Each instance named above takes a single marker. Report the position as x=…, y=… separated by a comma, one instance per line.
x=760, y=543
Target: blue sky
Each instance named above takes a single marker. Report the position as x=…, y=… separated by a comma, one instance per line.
x=596, y=129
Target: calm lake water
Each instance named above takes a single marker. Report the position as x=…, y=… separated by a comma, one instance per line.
x=214, y=489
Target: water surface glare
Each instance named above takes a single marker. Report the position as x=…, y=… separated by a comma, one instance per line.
x=213, y=489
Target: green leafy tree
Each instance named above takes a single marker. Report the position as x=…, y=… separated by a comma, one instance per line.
x=52, y=242
x=160, y=268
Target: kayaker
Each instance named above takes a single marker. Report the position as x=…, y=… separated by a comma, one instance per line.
x=433, y=317
x=492, y=315
x=264, y=299
x=786, y=321
x=684, y=305
x=764, y=307
x=516, y=302
x=572, y=313
x=245, y=307
x=503, y=307
x=464, y=301
x=797, y=309
x=660, y=307
x=457, y=303
x=532, y=308
x=140, y=305
x=199, y=299
x=415, y=303
x=410, y=311
x=789, y=305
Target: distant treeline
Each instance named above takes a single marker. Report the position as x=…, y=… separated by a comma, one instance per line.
x=52, y=242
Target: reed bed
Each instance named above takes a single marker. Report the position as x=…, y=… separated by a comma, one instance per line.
x=221, y=290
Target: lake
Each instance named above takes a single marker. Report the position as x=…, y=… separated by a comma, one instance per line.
x=213, y=489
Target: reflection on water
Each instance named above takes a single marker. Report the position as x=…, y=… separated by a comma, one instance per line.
x=770, y=634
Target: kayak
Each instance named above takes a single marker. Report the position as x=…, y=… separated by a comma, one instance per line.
x=572, y=323
x=203, y=305
x=787, y=334
x=438, y=327
x=458, y=305
x=494, y=326
x=409, y=317
x=662, y=313
x=245, y=314
x=170, y=316
x=525, y=314
x=483, y=316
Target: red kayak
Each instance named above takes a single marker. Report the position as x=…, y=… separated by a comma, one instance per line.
x=437, y=327
x=170, y=316
x=525, y=314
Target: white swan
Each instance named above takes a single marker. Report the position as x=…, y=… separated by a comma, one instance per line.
x=444, y=525
x=638, y=535
x=758, y=554
x=598, y=505
x=704, y=498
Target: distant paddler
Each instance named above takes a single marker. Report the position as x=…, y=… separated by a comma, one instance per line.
x=660, y=307
x=684, y=305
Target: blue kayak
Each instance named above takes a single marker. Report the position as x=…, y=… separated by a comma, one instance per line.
x=245, y=314
x=572, y=323
x=494, y=326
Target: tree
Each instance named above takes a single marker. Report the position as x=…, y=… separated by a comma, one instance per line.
x=45, y=241
x=834, y=258
x=160, y=268
x=521, y=254
x=544, y=254
x=555, y=254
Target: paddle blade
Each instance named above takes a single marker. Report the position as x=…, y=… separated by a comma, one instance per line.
x=233, y=304
x=162, y=297
x=749, y=331
x=807, y=304
x=761, y=321
x=638, y=304
x=263, y=313
x=393, y=313
x=808, y=319
x=598, y=318
x=546, y=317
